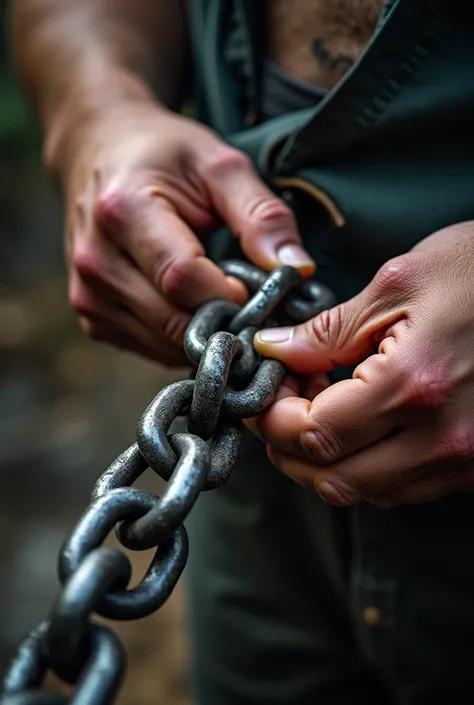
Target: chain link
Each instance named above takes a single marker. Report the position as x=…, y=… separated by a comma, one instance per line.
x=231, y=383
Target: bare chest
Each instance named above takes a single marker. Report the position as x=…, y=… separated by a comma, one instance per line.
x=318, y=40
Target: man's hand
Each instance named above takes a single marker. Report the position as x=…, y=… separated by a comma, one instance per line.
x=143, y=184
x=401, y=431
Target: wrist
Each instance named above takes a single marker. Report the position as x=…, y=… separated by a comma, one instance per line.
x=90, y=101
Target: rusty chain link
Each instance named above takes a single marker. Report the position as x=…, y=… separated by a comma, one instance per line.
x=231, y=383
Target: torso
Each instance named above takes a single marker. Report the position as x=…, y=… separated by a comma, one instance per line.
x=317, y=41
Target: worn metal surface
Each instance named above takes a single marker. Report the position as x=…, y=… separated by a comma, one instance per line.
x=96, y=579
x=211, y=381
x=308, y=298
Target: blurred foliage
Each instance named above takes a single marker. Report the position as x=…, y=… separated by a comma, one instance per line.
x=19, y=136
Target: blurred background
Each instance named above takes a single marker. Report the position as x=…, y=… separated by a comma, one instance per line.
x=68, y=407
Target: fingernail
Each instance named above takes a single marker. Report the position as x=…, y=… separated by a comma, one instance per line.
x=274, y=335
x=296, y=256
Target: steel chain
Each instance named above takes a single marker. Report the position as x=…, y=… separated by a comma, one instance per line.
x=231, y=383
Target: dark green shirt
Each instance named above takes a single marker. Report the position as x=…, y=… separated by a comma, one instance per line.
x=385, y=159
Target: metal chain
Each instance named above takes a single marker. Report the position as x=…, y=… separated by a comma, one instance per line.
x=231, y=383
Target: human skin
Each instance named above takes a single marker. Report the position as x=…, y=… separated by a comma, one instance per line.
x=401, y=431
x=142, y=184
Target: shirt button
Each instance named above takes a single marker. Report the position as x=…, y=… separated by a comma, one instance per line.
x=374, y=617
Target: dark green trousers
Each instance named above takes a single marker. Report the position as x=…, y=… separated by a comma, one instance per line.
x=295, y=602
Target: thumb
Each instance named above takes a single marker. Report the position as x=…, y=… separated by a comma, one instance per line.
x=263, y=223
x=343, y=335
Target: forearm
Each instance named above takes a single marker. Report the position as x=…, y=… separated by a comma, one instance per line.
x=78, y=58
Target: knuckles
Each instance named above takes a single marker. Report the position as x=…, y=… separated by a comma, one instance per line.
x=219, y=162
x=87, y=261
x=339, y=493
x=81, y=301
x=116, y=209
x=114, y=205
x=424, y=385
x=267, y=212
x=321, y=445
x=172, y=276
x=397, y=275
x=120, y=202
x=457, y=442
x=325, y=329
x=262, y=212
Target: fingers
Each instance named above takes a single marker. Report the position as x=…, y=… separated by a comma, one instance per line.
x=263, y=223
x=107, y=320
x=145, y=224
x=102, y=331
x=321, y=344
x=397, y=471
x=349, y=332
x=376, y=471
x=292, y=388
x=102, y=277
x=312, y=385
x=137, y=295
x=338, y=422
x=289, y=389
x=438, y=480
x=128, y=334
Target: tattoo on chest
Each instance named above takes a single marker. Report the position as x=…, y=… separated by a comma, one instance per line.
x=318, y=41
x=331, y=61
